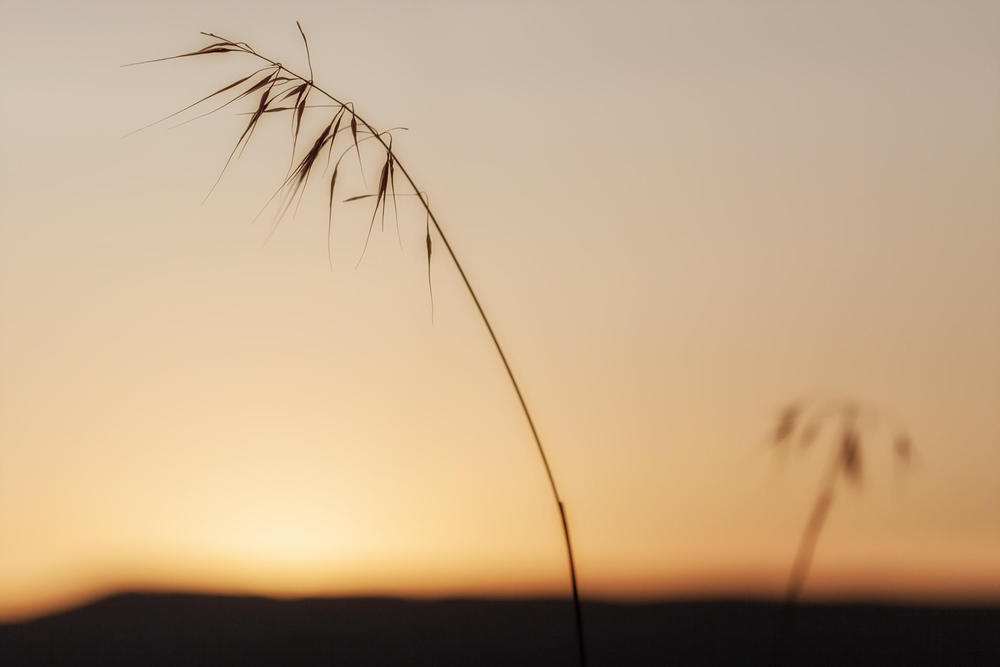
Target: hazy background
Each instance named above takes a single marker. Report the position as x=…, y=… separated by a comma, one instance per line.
x=678, y=215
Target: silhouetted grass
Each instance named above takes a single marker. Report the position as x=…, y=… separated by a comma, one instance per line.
x=801, y=424
x=278, y=90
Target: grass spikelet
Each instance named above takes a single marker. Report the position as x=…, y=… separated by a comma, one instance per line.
x=787, y=422
x=430, y=287
x=354, y=136
x=218, y=47
x=379, y=199
x=329, y=221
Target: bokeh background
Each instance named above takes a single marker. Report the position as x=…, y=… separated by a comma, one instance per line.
x=679, y=216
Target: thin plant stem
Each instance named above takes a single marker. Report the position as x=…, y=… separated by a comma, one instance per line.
x=801, y=422
x=386, y=144
x=843, y=463
x=803, y=560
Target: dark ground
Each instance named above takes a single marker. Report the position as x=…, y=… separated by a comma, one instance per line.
x=178, y=629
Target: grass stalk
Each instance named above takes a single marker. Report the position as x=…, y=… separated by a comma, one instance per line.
x=801, y=424
x=281, y=84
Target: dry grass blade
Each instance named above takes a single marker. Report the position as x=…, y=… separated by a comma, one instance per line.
x=354, y=135
x=293, y=176
x=392, y=193
x=300, y=109
x=262, y=104
x=336, y=129
x=263, y=82
x=300, y=177
x=306, y=43
x=292, y=108
x=430, y=287
x=383, y=184
x=219, y=47
x=379, y=200
x=268, y=81
x=329, y=223
x=204, y=99
x=300, y=93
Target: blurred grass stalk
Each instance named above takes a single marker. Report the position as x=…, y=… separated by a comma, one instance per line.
x=801, y=424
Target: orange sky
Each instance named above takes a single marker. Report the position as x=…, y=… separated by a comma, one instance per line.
x=678, y=216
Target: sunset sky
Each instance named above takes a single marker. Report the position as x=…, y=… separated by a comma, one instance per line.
x=678, y=216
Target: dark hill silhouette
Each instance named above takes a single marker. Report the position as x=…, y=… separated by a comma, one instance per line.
x=182, y=629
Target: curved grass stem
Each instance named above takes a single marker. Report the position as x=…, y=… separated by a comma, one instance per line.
x=392, y=160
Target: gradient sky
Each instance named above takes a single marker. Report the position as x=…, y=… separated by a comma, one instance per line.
x=678, y=215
